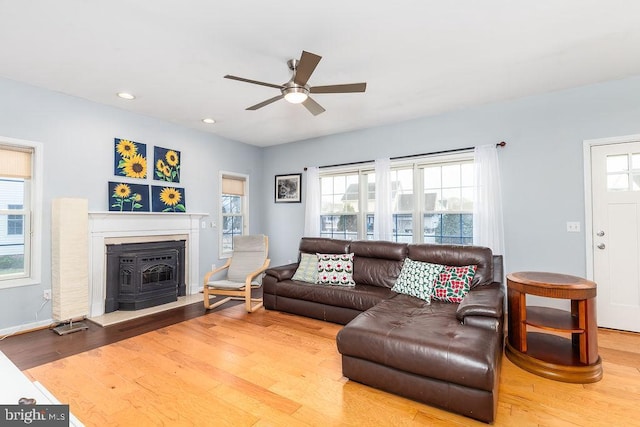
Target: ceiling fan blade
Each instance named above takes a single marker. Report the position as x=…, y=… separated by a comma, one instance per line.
x=348, y=88
x=265, y=103
x=308, y=63
x=255, y=82
x=313, y=107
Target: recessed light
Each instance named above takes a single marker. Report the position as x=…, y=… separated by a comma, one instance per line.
x=208, y=121
x=125, y=95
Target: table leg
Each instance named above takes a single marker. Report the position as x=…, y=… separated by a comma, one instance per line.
x=518, y=316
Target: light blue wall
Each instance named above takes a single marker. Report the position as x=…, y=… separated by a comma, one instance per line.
x=77, y=136
x=541, y=166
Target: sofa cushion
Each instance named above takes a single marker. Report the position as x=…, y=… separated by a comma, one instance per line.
x=417, y=279
x=410, y=335
x=312, y=245
x=335, y=269
x=307, y=270
x=377, y=263
x=457, y=255
x=358, y=297
x=453, y=283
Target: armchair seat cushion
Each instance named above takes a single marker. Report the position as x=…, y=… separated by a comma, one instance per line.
x=229, y=284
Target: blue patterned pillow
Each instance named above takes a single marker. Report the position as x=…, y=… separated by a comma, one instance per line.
x=417, y=279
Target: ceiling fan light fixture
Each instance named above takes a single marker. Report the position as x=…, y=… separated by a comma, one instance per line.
x=295, y=95
x=126, y=95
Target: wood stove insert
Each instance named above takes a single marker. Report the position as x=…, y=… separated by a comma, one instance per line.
x=141, y=275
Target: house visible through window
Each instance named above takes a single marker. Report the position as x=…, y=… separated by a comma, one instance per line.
x=15, y=223
x=19, y=239
x=432, y=201
x=233, y=212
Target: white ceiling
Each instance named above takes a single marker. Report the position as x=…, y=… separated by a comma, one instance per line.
x=418, y=57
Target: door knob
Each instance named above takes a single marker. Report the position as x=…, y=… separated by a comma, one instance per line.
x=601, y=246
x=600, y=233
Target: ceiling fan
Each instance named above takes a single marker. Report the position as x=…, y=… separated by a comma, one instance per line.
x=296, y=90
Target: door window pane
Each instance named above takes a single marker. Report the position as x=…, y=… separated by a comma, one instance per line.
x=617, y=163
x=617, y=182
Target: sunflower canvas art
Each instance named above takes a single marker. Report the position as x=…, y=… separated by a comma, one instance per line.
x=166, y=164
x=130, y=158
x=124, y=197
x=167, y=199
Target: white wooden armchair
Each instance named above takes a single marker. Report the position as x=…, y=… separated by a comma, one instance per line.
x=244, y=273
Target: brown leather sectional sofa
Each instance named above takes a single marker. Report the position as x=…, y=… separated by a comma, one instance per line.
x=443, y=354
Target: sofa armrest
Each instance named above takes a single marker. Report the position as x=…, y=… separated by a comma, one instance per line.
x=282, y=272
x=482, y=306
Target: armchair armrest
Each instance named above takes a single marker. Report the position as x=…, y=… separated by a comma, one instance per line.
x=217, y=270
x=483, y=306
x=256, y=273
x=283, y=272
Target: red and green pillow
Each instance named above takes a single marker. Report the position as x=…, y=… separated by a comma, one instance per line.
x=453, y=283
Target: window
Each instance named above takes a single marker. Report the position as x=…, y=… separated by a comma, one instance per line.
x=20, y=216
x=432, y=201
x=448, y=203
x=233, y=210
x=339, y=212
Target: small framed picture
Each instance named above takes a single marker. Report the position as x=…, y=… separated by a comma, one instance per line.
x=288, y=188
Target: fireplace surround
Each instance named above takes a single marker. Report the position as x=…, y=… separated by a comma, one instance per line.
x=108, y=228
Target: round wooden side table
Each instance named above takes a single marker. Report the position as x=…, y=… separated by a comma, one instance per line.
x=548, y=352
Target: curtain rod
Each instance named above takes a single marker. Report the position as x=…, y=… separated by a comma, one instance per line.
x=455, y=150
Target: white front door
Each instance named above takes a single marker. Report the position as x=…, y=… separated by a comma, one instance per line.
x=615, y=186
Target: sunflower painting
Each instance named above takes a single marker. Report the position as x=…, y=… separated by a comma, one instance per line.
x=125, y=197
x=130, y=159
x=167, y=199
x=167, y=165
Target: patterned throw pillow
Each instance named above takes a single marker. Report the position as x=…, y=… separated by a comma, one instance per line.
x=335, y=269
x=453, y=283
x=416, y=279
x=307, y=269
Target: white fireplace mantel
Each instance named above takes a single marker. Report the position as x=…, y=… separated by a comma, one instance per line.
x=135, y=227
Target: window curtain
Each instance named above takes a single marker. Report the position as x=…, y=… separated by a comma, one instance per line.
x=383, y=220
x=312, y=204
x=487, y=209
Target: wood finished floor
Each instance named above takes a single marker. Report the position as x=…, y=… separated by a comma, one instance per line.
x=275, y=369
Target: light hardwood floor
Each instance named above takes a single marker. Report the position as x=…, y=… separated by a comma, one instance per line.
x=273, y=369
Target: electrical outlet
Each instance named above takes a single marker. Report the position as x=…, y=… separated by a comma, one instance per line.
x=46, y=294
x=573, y=227
x=213, y=267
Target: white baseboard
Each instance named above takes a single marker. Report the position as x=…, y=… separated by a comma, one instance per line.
x=25, y=327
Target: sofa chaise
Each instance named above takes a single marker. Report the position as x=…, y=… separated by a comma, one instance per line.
x=440, y=353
